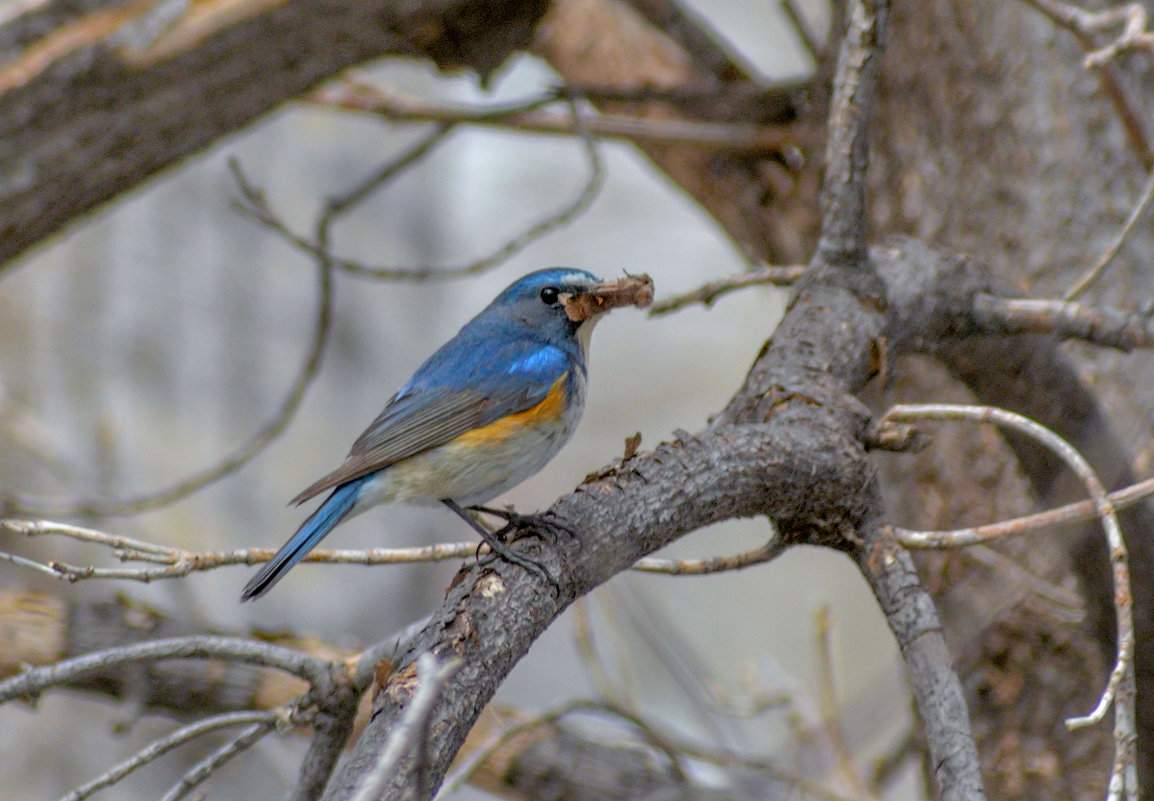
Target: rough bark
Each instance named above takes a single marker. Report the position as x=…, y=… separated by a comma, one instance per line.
x=986, y=154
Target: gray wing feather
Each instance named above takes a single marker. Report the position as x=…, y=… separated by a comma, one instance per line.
x=416, y=423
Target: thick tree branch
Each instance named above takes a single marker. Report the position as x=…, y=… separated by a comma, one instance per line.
x=494, y=613
x=844, y=223
x=929, y=665
x=92, y=114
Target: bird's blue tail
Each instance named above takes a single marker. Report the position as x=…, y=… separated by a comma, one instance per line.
x=311, y=532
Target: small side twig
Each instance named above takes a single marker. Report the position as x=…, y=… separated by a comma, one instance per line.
x=801, y=28
x=707, y=294
x=318, y=245
x=229, y=464
x=1130, y=17
x=214, y=761
x=1071, y=513
x=827, y=696
x=1063, y=318
x=36, y=680
x=162, y=746
x=595, y=667
x=352, y=95
x=1084, y=25
x=1067, y=600
x=714, y=564
x=1091, y=275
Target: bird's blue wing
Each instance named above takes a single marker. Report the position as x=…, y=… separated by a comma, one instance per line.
x=464, y=386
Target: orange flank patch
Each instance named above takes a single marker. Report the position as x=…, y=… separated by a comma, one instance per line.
x=544, y=412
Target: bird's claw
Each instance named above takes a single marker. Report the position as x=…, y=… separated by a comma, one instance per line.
x=544, y=525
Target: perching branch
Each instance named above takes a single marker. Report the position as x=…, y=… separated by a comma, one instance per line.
x=771, y=275
x=1064, y=319
x=177, y=562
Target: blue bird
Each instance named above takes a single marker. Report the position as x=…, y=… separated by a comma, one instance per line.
x=485, y=412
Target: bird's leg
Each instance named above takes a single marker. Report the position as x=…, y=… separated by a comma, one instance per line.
x=497, y=545
x=545, y=524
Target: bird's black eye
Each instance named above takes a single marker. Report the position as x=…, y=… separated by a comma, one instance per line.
x=549, y=295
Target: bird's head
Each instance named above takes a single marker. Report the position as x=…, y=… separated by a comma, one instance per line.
x=563, y=303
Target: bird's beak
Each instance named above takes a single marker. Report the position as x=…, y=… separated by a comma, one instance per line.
x=595, y=299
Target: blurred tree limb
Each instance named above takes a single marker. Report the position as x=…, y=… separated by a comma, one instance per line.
x=98, y=96
x=38, y=628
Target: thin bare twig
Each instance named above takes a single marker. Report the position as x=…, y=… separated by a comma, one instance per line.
x=162, y=746
x=714, y=564
x=21, y=561
x=801, y=28
x=214, y=761
x=1130, y=17
x=1083, y=25
x=499, y=739
x=776, y=276
x=1108, y=255
x=595, y=667
x=177, y=562
x=35, y=680
x=730, y=759
x=830, y=719
x=1071, y=513
x=1119, y=687
x=1067, y=600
